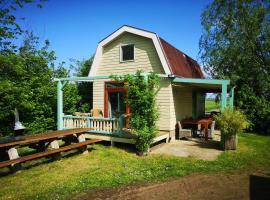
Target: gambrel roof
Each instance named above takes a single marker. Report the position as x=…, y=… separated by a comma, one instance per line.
x=174, y=62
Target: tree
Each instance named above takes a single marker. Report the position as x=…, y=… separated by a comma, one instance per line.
x=235, y=45
x=26, y=83
x=85, y=89
x=27, y=74
x=10, y=29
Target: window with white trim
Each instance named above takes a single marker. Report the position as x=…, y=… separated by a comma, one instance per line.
x=127, y=52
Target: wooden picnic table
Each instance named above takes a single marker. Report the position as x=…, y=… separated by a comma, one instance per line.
x=40, y=139
x=29, y=139
x=204, y=122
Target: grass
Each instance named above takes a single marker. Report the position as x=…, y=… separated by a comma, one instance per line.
x=210, y=105
x=105, y=166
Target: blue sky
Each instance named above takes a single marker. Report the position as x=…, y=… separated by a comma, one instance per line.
x=74, y=27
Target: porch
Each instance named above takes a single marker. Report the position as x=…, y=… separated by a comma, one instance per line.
x=112, y=128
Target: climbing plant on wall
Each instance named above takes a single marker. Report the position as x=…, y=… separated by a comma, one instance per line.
x=141, y=98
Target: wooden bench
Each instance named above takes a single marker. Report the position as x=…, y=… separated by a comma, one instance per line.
x=46, y=153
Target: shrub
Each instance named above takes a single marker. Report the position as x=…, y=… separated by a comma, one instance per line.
x=232, y=122
x=141, y=95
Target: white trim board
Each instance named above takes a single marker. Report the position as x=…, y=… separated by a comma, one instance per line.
x=153, y=36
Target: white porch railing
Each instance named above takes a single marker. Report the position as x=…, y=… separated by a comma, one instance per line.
x=99, y=125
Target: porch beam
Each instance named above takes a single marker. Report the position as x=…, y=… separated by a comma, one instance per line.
x=82, y=78
x=203, y=81
x=223, y=97
x=91, y=78
x=231, y=100
x=59, y=105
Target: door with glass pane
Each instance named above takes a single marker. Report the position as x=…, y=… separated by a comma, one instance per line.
x=114, y=100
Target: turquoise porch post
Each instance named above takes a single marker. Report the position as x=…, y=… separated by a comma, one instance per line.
x=223, y=97
x=59, y=106
x=231, y=98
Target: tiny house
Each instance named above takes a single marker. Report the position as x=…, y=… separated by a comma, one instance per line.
x=128, y=49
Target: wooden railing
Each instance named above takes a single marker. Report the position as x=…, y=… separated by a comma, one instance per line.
x=99, y=125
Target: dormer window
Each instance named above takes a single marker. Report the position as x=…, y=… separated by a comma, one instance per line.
x=127, y=53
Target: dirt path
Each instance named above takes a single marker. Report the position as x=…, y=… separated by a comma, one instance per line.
x=221, y=186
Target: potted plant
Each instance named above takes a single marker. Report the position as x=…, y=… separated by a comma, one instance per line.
x=231, y=123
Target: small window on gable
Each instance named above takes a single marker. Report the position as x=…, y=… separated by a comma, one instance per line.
x=127, y=52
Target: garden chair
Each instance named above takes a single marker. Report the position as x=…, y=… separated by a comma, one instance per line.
x=184, y=133
x=211, y=130
x=95, y=112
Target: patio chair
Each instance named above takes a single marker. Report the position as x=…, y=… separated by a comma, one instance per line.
x=210, y=131
x=184, y=133
x=95, y=112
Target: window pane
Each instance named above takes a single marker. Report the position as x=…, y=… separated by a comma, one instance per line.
x=127, y=52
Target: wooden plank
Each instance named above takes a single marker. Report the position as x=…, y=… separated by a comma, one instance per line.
x=46, y=153
x=110, y=138
x=45, y=136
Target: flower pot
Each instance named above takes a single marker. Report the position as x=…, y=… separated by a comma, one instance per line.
x=229, y=142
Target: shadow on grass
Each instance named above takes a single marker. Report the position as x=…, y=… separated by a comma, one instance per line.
x=210, y=144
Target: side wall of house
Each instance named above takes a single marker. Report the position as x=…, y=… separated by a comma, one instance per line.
x=146, y=59
x=183, y=104
x=182, y=98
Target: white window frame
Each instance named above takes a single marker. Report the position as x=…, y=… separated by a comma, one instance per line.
x=121, y=53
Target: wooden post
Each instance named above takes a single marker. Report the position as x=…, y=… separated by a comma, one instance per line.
x=112, y=143
x=223, y=97
x=231, y=100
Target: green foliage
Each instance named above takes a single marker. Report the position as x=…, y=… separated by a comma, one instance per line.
x=26, y=83
x=211, y=104
x=10, y=29
x=85, y=89
x=232, y=122
x=141, y=93
x=235, y=45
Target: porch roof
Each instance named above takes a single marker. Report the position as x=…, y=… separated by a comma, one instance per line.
x=204, y=85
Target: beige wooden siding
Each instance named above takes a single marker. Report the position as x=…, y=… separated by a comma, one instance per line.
x=182, y=98
x=98, y=94
x=146, y=57
x=164, y=101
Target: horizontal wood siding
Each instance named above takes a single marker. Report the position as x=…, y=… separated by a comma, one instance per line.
x=146, y=57
x=98, y=94
x=164, y=102
x=182, y=103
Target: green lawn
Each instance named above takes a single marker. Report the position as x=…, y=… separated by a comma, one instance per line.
x=108, y=167
x=211, y=105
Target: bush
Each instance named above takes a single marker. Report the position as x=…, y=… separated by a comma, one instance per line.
x=144, y=138
x=141, y=95
x=232, y=122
